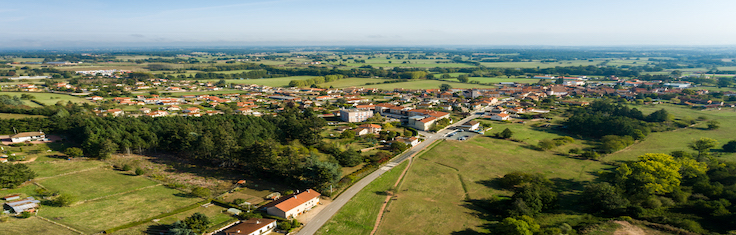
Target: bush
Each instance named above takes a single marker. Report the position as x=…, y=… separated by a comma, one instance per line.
x=139, y=171
x=201, y=192
x=127, y=167
x=238, y=201
x=25, y=214
x=691, y=225
x=730, y=146
x=286, y=225
x=592, y=155
x=64, y=200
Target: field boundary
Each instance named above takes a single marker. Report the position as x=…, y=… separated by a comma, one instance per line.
x=67, y=227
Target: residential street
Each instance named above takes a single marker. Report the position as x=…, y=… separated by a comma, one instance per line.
x=329, y=211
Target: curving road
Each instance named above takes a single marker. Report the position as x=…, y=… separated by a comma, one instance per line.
x=331, y=209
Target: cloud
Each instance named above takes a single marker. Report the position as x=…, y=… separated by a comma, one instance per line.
x=137, y=35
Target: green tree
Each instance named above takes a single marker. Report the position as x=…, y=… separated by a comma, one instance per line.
x=348, y=134
x=64, y=200
x=180, y=228
x=398, y=147
x=730, y=146
x=703, y=145
x=349, y=158
x=12, y=175
x=463, y=78
x=603, y=198
x=198, y=222
x=511, y=226
x=546, y=144
x=653, y=173
x=445, y=87
x=713, y=124
x=25, y=214
x=725, y=82
x=285, y=225
x=201, y=192
x=505, y=134
x=139, y=171
x=73, y=152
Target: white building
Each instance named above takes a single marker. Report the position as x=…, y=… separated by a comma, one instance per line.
x=252, y=227
x=355, y=115
x=27, y=136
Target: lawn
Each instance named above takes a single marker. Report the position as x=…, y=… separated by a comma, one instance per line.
x=95, y=216
x=272, y=82
x=57, y=167
x=497, y=80
x=18, y=116
x=353, y=82
x=359, y=215
x=95, y=183
x=49, y=98
x=32, y=225
x=424, y=84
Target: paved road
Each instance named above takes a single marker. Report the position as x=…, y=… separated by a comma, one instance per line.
x=331, y=209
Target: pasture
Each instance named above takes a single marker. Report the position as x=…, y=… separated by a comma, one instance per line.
x=95, y=183
x=54, y=168
x=98, y=215
x=272, y=82
x=213, y=212
x=424, y=84
x=33, y=225
x=18, y=116
x=359, y=215
x=48, y=98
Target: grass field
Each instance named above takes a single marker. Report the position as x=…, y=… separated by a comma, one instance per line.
x=353, y=82
x=53, y=168
x=213, y=212
x=424, y=84
x=497, y=80
x=32, y=225
x=49, y=98
x=18, y=116
x=272, y=82
x=359, y=215
x=95, y=183
x=666, y=142
x=95, y=216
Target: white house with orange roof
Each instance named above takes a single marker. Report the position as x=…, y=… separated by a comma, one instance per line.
x=293, y=205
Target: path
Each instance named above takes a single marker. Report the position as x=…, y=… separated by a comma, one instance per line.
x=341, y=200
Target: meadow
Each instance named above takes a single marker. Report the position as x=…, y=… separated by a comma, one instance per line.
x=32, y=225
x=213, y=212
x=48, y=98
x=272, y=82
x=18, y=116
x=95, y=183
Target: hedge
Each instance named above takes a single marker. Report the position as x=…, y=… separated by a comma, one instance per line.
x=136, y=223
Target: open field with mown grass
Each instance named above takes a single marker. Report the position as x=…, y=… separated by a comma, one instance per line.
x=33, y=225
x=353, y=82
x=272, y=82
x=54, y=168
x=495, y=80
x=359, y=215
x=666, y=142
x=48, y=98
x=18, y=116
x=423, y=84
x=95, y=183
x=95, y=216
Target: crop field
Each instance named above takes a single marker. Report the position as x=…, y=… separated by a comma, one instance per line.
x=49, y=98
x=666, y=142
x=95, y=183
x=359, y=215
x=18, y=116
x=98, y=215
x=33, y=225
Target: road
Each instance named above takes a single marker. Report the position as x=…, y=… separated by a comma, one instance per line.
x=331, y=209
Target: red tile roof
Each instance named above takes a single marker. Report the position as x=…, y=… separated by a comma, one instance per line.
x=292, y=201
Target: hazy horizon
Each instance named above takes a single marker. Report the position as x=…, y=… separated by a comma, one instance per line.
x=90, y=24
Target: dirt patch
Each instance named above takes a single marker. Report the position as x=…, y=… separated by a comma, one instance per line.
x=628, y=229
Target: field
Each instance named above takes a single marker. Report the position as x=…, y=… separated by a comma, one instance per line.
x=666, y=142
x=423, y=84
x=95, y=183
x=213, y=212
x=49, y=98
x=17, y=116
x=95, y=216
x=359, y=215
x=496, y=80
x=54, y=168
x=33, y=225
x=272, y=82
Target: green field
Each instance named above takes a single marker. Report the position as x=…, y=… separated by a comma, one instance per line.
x=213, y=212
x=95, y=183
x=17, y=116
x=49, y=98
x=95, y=216
x=53, y=168
x=495, y=80
x=424, y=84
x=353, y=82
x=32, y=225
x=359, y=215
x=272, y=82
x=666, y=142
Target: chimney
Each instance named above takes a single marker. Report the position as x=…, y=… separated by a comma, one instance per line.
x=258, y=221
x=307, y=190
x=238, y=231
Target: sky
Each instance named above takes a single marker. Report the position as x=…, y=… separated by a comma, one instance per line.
x=96, y=23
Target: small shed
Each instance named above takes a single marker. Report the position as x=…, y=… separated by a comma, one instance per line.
x=12, y=197
x=234, y=211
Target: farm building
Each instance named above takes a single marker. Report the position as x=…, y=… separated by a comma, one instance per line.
x=252, y=227
x=293, y=205
x=470, y=125
x=12, y=197
x=27, y=136
x=23, y=205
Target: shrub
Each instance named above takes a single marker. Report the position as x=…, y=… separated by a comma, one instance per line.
x=201, y=192
x=286, y=226
x=592, y=155
x=64, y=200
x=730, y=146
x=238, y=201
x=25, y=214
x=127, y=167
x=139, y=171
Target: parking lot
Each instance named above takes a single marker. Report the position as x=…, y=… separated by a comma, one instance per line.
x=458, y=135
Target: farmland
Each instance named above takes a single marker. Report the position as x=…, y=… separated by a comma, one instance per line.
x=15, y=115
x=49, y=98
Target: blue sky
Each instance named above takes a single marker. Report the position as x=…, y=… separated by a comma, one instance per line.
x=343, y=22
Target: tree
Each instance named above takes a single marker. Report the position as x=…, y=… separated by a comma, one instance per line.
x=653, y=173
x=64, y=200
x=703, y=145
x=724, y=82
x=139, y=171
x=198, y=222
x=463, y=78
x=285, y=225
x=73, y=152
x=348, y=134
x=505, y=134
x=511, y=226
x=730, y=146
x=180, y=228
x=12, y=175
x=398, y=147
x=658, y=116
x=546, y=144
x=603, y=198
x=349, y=158
x=613, y=143
x=201, y=192
x=445, y=87
x=713, y=124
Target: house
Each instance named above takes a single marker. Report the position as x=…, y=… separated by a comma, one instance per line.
x=12, y=197
x=413, y=141
x=252, y=227
x=293, y=205
x=27, y=136
x=144, y=110
x=115, y=112
x=361, y=131
x=23, y=205
x=355, y=115
x=470, y=125
x=97, y=98
x=372, y=128
x=421, y=122
x=500, y=116
x=192, y=110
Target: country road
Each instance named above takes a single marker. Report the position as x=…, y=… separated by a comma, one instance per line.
x=331, y=209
